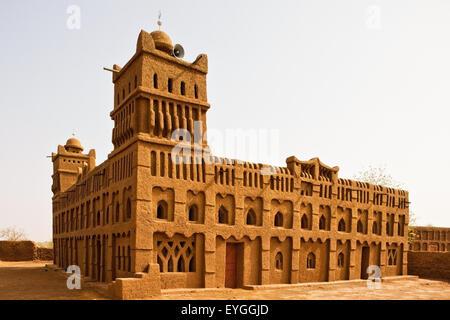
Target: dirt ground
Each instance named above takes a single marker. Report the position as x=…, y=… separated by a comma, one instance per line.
x=31, y=280
x=421, y=289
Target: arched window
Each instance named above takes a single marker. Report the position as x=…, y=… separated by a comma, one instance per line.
x=196, y=91
x=181, y=266
x=388, y=228
x=98, y=218
x=118, y=258
x=400, y=229
x=117, y=212
x=251, y=217
x=135, y=82
x=340, y=261
x=223, y=215
x=322, y=223
x=183, y=88
x=170, y=265
x=392, y=257
x=341, y=225
x=278, y=219
x=128, y=209
x=88, y=218
x=417, y=246
x=129, y=259
x=123, y=257
x=169, y=85
x=311, y=261
x=155, y=81
x=107, y=215
x=279, y=261
x=193, y=213
x=161, y=210
x=375, y=227
x=359, y=227
x=192, y=264
x=304, y=222
x=161, y=265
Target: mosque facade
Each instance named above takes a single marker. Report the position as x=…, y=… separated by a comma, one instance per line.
x=193, y=220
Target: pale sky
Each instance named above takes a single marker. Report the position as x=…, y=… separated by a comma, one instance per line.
x=355, y=83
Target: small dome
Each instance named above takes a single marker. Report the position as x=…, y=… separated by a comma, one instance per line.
x=162, y=41
x=73, y=144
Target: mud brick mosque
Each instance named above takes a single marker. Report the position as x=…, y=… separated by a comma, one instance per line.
x=142, y=221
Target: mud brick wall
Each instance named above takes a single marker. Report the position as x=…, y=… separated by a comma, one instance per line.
x=434, y=265
x=23, y=251
x=44, y=254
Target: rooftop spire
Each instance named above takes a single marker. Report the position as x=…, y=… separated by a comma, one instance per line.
x=159, y=20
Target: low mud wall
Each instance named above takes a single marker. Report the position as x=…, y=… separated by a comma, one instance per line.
x=432, y=265
x=44, y=253
x=23, y=251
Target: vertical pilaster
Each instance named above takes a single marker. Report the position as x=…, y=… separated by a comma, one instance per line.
x=295, y=274
x=265, y=260
x=210, y=260
x=332, y=261
x=353, y=274
x=383, y=257
x=315, y=215
x=108, y=258
x=86, y=256
x=239, y=214
x=180, y=210
x=395, y=226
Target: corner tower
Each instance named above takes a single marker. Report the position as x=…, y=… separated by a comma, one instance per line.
x=69, y=163
x=156, y=93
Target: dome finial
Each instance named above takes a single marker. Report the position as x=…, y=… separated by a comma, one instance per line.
x=73, y=145
x=159, y=20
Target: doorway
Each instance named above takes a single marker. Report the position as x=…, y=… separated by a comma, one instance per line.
x=232, y=265
x=365, y=255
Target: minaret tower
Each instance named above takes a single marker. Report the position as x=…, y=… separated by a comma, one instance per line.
x=68, y=164
x=156, y=93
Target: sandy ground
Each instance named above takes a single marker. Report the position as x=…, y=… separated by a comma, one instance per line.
x=421, y=289
x=31, y=280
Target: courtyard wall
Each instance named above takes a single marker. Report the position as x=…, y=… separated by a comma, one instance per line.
x=23, y=251
x=433, y=265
